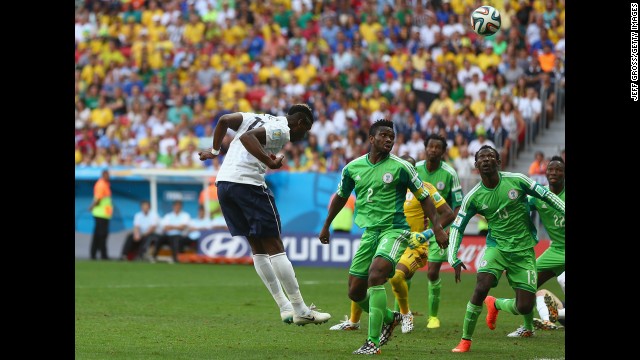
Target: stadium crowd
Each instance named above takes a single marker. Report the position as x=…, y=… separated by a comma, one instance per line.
x=153, y=77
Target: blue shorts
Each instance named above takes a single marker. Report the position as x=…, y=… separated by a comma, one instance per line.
x=249, y=210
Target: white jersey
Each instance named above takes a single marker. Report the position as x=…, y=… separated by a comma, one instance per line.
x=239, y=166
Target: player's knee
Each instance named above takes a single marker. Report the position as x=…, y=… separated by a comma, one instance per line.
x=524, y=307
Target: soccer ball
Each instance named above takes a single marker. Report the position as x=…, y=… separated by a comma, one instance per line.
x=485, y=20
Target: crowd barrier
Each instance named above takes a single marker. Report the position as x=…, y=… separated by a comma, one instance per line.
x=305, y=249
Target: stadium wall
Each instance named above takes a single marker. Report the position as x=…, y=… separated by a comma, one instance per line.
x=302, y=198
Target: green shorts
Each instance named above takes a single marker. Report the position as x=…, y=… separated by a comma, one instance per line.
x=519, y=265
x=551, y=259
x=388, y=243
x=436, y=253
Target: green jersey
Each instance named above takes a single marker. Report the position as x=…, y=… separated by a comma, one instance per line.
x=381, y=190
x=506, y=209
x=445, y=179
x=552, y=220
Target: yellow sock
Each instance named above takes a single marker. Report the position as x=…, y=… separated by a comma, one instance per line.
x=356, y=312
x=401, y=291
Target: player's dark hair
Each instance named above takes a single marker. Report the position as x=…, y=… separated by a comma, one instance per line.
x=557, y=158
x=435, y=136
x=487, y=147
x=302, y=108
x=409, y=159
x=381, y=122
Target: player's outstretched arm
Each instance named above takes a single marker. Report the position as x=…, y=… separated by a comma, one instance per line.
x=446, y=215
x=336, y=205
x=225, y=122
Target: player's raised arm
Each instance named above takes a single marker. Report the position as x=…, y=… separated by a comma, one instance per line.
x=225, y=122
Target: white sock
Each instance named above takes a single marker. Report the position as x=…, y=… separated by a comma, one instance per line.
x=542, y=308
x=286, y=275
x=561, y=281
x=561, y=313
x=267, y=274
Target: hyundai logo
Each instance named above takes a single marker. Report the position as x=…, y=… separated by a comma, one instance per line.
x=223, y=244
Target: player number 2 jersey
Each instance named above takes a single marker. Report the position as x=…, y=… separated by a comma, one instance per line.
x=380, y=190
x=239, y=165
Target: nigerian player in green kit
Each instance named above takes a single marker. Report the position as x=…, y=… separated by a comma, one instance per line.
x=501, y=197
x=445, y=178
x=380, y=180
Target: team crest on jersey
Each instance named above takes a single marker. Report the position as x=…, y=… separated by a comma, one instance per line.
x=440, y=185
x=276, y=134
x=387, y=178
x=483, y=263
x=513, y=194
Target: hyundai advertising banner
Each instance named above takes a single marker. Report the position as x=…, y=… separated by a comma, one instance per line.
x=305, y=249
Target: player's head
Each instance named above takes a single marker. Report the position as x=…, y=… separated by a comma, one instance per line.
x=487, y=160
x=409, y=159
x=555, y=170
x=300, y=120
x=382, y=136
x=435, y=146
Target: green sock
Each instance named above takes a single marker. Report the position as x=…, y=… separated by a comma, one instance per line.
x=434, y=297
x=507, y=305
x=528, y=321
x=396, y=306
x=364, y=304
x=377, y=311
x=470, y=320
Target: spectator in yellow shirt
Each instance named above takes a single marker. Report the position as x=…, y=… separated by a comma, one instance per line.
x=487, y=58
x=369, y=29
x=305, y=72
x=268, y=70
x=194, y=30
x=231, y=86
x=441, y=102
x=101, y=116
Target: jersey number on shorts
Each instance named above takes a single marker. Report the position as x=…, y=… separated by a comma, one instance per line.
x=532, y=277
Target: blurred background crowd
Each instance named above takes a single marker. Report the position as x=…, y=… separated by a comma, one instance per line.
x=153, y=77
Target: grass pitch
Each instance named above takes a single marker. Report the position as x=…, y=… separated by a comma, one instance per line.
x=202, y=311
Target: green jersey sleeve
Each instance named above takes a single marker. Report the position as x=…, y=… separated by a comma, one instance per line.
x=466, y=212
x=536, y=190
x=346, y=184
x=456, y=191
